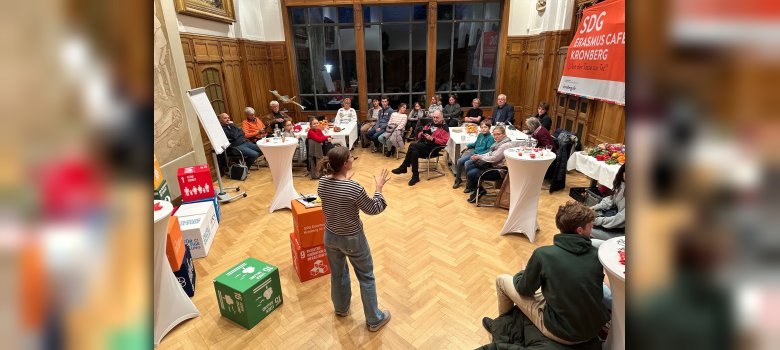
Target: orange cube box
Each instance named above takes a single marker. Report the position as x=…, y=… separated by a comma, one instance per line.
x=308, y=224
x=174, y=246
x=309, y=262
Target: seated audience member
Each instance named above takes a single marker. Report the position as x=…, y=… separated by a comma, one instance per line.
x=236, y=138
x=608, y=223
x=254, y=129
x=345, y=114
x=474, y=114
x=397, y=123
x=435, y=105
x=541, y=114
x=371, y=118
x=503, y=112
x=481, y=146
x=561, y=290
x=384, y=116
x=436, y=134
x=452, y=112
x=315, y=133
x=275, y=118
x=481, y=162
x=541, y=134
x=288, y=132
x=415, y=115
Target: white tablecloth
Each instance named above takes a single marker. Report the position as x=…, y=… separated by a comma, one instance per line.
x=279, y=156
x=346, y=137
x=526, y=176
x=616, y=273
x=459, y=140
x=592, y=168
x=171, y=304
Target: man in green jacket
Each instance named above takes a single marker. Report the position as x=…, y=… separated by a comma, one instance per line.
x=560, y=290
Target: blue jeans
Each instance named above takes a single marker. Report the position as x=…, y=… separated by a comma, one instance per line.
x=356, y=248
x=461, y=164
x=373, y=135
x=385, y=140
x=251, y=152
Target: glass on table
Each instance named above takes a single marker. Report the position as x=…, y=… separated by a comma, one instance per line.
x=532, y=142
x=547, y=150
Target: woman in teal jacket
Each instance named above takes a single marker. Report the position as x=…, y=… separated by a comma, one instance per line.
x=481, y=146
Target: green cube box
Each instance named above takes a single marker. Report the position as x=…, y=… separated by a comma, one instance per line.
x=248, y=292
x=162, y=193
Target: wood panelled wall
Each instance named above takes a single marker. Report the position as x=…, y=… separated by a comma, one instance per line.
x=532, y=70
x=249, y=69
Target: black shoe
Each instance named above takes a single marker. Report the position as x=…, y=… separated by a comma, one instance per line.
x=387, y=154
x=457, y=183
x=472, y=197
x=467, y=190
x=414, y=180
x=399, y=170
x=487, y=322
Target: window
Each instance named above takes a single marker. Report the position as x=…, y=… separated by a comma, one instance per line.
x=396, y=43
x=466, y=51
x=324, y=46
x=213, y=86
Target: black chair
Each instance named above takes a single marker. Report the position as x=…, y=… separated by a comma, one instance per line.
x=493, y=188
x=230, y=157
x=433, y=160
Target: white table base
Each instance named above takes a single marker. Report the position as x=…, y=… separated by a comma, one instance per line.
x=279, y=157
x=171, y=304
x=616, y=273
x=526, y=177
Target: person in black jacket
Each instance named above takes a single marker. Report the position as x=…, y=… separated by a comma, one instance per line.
x=503, y=112
x=541, y=114
x=561, y=289
x=236, y=138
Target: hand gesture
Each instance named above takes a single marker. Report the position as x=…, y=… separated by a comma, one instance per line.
x=384, y=177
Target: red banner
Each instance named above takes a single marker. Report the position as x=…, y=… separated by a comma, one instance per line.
x=596, y=60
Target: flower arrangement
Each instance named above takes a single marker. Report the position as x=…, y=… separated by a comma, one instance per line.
x=609, y=153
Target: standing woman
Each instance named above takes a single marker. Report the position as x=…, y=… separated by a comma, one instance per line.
x=342, y=201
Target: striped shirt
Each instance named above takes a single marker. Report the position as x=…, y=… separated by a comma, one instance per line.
x=342, y=201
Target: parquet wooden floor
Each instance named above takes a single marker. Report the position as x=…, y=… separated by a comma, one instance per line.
x=435, y=256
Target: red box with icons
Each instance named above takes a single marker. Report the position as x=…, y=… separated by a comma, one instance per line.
x=195, y=182
x=309, y=263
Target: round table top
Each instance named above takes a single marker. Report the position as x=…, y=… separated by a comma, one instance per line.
x=163, y=213
x=516, y=153
x=274, y=142
x=609, y=258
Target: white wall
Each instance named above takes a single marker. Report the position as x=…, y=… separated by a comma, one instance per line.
x=525, y=20
x=259, y=20
x=197, y=156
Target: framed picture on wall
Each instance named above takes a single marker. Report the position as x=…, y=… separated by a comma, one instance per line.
x=217, y=10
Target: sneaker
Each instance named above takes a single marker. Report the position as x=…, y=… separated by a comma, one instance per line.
x=487, y=322
x=376, y=327
x=457, y=183
x=472, y=197
x=414, y=180
x=399, y=171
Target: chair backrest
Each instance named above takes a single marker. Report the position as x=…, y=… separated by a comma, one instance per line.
x=313, y=149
